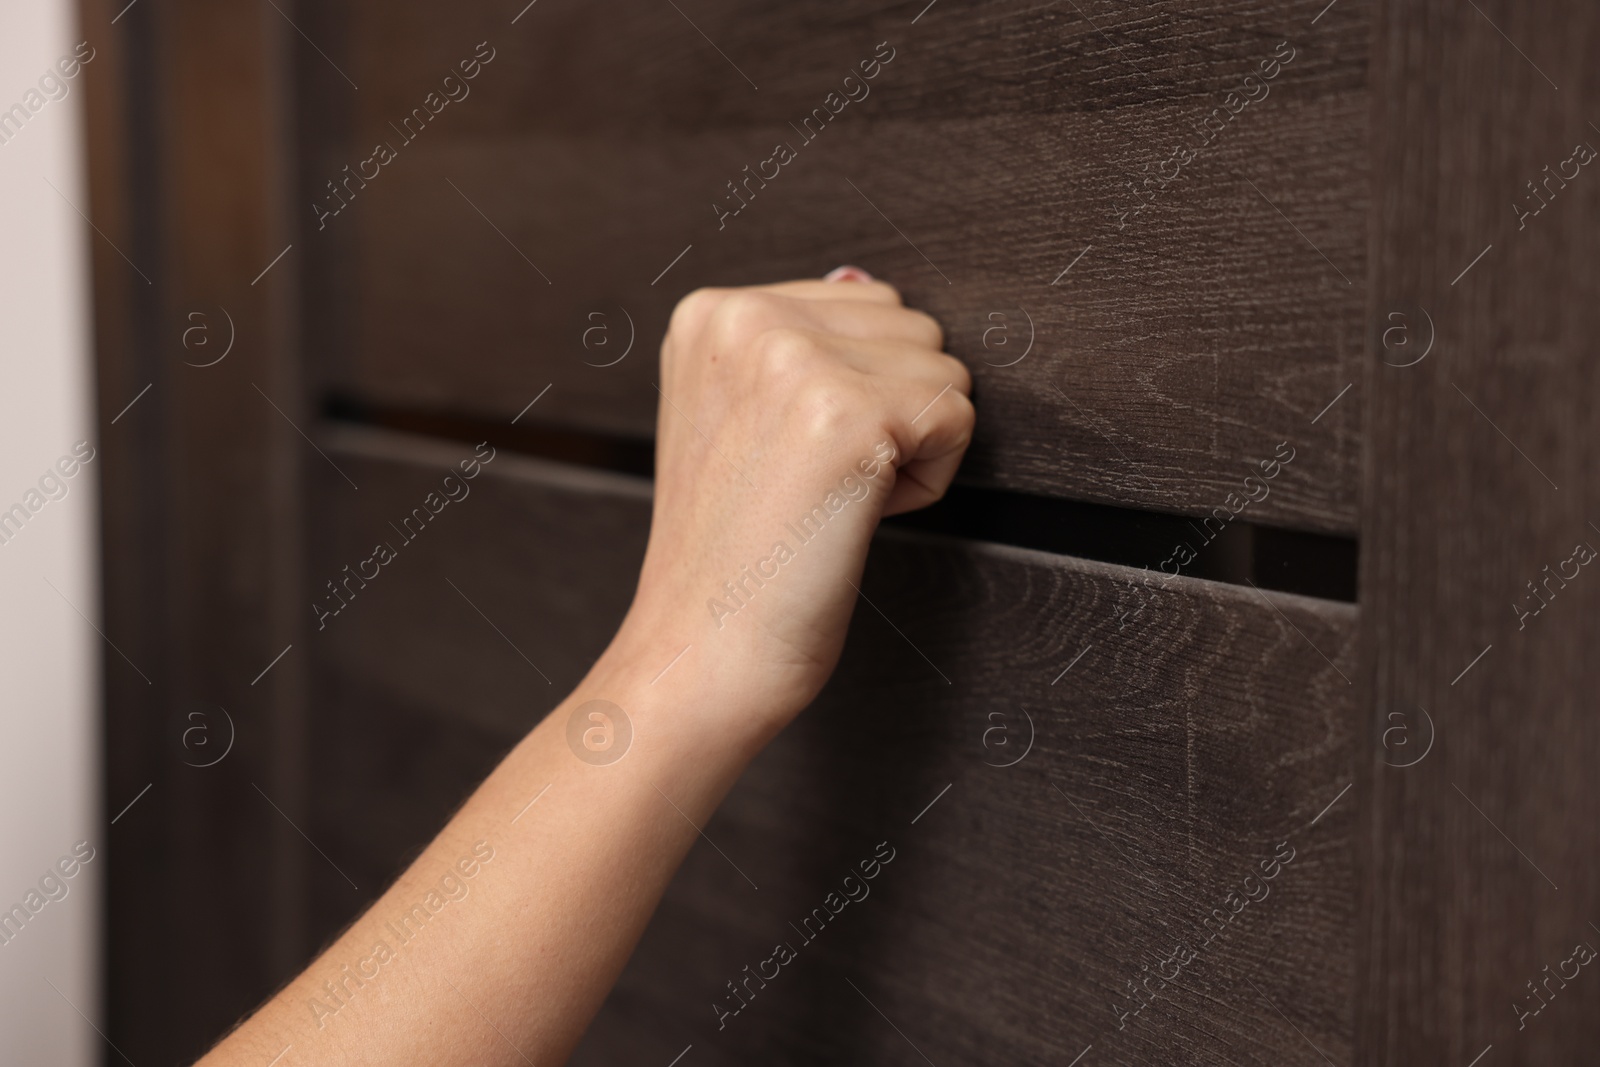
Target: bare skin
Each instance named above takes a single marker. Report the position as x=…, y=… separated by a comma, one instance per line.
x=825, y=400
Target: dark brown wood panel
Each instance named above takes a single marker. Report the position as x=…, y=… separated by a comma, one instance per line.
x=1479, y=872
x=1198, y=727
x=523, y=237
x=201, y=517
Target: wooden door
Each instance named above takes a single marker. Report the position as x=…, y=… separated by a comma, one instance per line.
x=1187, y=729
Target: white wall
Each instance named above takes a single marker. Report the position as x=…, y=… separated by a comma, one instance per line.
x=49, y=655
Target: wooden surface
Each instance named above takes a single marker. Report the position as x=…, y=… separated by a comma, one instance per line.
x=1202, y=725
x=1193, y=735
x=201, y=512
x=1478, y=863
x=536, y=218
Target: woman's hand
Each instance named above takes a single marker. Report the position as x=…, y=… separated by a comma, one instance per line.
x=792, y=418
x=791, y=415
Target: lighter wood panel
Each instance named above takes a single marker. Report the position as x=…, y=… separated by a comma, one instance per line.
x=1199, y=728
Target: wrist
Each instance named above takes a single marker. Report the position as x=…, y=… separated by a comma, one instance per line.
x=681, y=697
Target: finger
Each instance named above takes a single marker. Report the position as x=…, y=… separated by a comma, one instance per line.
x=870, y=321
x=817, y=289
x=923, y=482
x=929, y=368
x=932, y=429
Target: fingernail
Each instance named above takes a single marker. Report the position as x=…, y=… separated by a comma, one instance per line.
x=847, y=274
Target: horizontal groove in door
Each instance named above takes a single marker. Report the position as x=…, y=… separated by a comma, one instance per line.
x=1239, y=552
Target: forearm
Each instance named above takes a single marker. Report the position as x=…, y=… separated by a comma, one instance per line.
x=499, y=943
x=516, y=957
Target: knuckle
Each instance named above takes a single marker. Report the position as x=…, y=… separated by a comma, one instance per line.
x=692, y=312
x=784, y=356
x=824, y=408
x=932, y=332
x=696, y=305
x=884, y=291
x=820, y=413
x=741, y=317
x=962, y=419
x=960, y=376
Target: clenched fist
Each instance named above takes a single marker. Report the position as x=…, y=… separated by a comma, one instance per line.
x=792, y=418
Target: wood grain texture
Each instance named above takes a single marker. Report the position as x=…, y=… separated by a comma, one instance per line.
x=1201, y=727
x=998, y=145
x=1478, y=870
